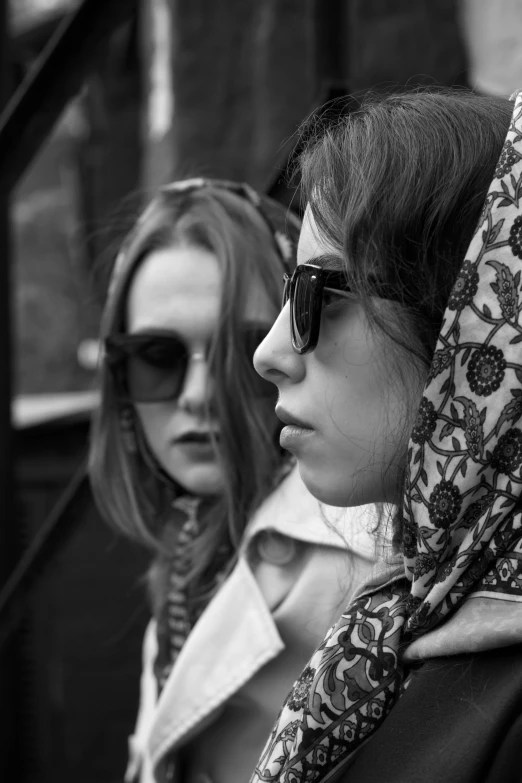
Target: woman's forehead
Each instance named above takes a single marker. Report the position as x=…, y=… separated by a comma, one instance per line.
x=180, y=288
x=175, y=287
x=311, y=243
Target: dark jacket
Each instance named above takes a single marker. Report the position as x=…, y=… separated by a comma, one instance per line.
x=459, y=721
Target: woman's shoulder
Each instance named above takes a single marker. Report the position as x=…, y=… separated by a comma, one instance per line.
x=459, y=720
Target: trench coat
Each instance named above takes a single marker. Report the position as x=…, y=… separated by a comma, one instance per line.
x=298, y=565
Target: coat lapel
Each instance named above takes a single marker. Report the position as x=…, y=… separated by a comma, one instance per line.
x=292, y=511
x=236, y=626
x=236, y=635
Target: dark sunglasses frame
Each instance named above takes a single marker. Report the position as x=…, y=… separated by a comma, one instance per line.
x=121, y=347
x=318, y=279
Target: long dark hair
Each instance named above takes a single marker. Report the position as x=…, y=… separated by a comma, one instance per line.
x=397, y=187
x=130, y=494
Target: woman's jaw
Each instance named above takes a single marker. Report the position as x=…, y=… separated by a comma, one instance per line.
x=195, y=467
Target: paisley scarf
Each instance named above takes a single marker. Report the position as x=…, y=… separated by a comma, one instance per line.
x=177, y=612
x=462, y=517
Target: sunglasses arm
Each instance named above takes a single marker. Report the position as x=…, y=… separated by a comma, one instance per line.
x=338, y=292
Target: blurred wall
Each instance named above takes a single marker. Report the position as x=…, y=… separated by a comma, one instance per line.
x=245, y=75
x=493, y=33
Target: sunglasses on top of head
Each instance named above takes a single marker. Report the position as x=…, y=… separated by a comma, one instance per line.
x=151, y=367
x=305, y=290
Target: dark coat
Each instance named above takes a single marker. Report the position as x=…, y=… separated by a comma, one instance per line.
x=459, y=721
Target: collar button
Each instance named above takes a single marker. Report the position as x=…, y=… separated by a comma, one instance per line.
x=275, y=548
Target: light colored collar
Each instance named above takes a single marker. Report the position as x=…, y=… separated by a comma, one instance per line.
x=292, y=511
x=203, y=679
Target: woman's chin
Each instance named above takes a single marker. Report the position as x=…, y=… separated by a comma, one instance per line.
x=331, y=489
x=200, y=479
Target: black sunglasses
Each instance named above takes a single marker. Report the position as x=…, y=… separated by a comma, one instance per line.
x=151, y=367
x=305, y=290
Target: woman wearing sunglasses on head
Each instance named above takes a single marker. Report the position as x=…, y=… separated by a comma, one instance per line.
x=186, y=458
x=398, y=361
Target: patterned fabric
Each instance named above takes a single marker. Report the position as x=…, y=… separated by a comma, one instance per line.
x=463, y=524
x=179, y=613
x=175, y=623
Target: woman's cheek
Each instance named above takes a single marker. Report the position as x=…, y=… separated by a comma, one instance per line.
x=153, y=421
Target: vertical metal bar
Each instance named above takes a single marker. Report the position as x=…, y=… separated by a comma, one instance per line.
x=55, y=78
x=158, y=130
x=10, y=757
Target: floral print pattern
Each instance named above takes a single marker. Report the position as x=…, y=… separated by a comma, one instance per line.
x=507, y=454
x=462, y=526
x=515, y=237
x=444, y=504
x=409, y=539
x=465, y=287
x=486, y=370
x=508, y=157
x=299, y=693
x=423, y=565
x=425, y=423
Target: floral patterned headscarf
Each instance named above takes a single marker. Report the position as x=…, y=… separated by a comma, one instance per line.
x=462, y=566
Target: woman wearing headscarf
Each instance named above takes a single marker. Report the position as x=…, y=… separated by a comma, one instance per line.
x=398, y=362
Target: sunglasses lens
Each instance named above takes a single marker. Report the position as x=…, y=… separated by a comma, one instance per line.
x=302, y=310
x=156, y=369
x=152, y=368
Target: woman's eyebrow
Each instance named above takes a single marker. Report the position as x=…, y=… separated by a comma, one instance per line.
x=328, y=261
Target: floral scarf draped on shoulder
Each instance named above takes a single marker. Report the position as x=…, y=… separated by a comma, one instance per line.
x=462, y=518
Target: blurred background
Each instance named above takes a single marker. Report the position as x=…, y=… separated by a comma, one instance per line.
x=103, y=102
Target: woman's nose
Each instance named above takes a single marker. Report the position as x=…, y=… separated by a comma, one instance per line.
x=275, y=360
x=198, y=386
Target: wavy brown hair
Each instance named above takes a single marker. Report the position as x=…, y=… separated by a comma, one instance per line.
x=397, y=187
x=131, y=490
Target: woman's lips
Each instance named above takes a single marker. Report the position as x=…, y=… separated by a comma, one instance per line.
x=194, y=436
x=295, y=432
x=198, y=446
x=292, y=437
x=288, y=418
